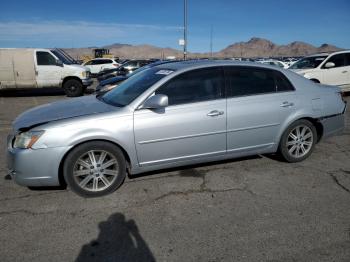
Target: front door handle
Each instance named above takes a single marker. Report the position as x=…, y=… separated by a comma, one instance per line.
x=215, y=113
x=287, y=104
x=344, y=72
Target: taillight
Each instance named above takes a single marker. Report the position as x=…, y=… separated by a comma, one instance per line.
x=116, y=65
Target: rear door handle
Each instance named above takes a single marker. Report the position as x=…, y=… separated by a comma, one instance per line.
x=344, y=72
x=215, y=113
x=287, y=104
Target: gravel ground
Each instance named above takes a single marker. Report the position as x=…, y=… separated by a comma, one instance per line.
x=250, y=209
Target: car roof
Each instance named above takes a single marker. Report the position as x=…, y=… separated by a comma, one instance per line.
x=193, y=64
x=329, y=53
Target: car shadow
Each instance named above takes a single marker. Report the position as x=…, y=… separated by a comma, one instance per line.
x=118, y=240
x=30, y=92
x=187, y=167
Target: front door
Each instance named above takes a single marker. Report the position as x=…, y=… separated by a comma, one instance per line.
x=48, y=73
x=192, y=126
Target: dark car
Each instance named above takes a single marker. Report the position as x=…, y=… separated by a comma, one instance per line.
x=110, y=83
x=126, y=68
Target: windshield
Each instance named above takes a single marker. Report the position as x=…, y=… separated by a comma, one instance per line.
x=61, y=57
x=134, y=86
x=309, y=62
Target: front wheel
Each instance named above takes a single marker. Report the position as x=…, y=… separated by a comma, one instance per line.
x=298, y=141
x=94, y=169
x=73, y=88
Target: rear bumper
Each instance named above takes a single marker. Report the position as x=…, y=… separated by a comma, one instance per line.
x=333, y=125
x=87, y=81
x=35, y=167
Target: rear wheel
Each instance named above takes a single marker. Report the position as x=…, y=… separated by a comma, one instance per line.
x=298, y=141
x=94, y=169
x=73, y=88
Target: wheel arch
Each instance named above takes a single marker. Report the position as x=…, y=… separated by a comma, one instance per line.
x=60, y=168
x=70, y=78
x=315, y=121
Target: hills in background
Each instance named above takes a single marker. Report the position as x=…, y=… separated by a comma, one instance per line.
x=255, y=47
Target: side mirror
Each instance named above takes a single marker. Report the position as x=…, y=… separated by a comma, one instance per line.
x=59, y=63
x=156, y=102
x=329, y=65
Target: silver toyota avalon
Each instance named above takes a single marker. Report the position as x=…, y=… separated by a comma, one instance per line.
x=171, y=115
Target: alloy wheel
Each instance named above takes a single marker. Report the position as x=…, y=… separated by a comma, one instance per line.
x=299, y=141
x=95, y=170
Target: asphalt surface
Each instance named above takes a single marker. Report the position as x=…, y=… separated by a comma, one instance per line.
x=251, y=209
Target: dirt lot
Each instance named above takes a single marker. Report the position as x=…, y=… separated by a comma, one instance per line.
x=252, y=209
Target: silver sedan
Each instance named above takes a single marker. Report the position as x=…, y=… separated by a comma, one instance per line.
x=172, y=115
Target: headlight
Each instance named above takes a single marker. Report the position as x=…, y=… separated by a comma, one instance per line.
x=84, y=74
x=27, y=139
x=107, y=88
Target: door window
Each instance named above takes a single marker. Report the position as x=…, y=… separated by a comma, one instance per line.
x=244, y=81
x=347, y=60
x=194, y=86
x=282, y=83
x=338, y=60
x=45, y=58
x=249, y=81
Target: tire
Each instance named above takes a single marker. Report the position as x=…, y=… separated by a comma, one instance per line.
x=73, y=88
x=86, y=173
x=295, y=146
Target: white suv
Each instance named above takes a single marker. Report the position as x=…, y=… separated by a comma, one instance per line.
x=330, y=69
x=98, y=64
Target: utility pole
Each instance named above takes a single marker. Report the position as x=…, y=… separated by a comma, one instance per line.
x=185, y=29
x=211, y=42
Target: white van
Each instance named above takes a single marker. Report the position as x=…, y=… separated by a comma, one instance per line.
x=326, y=68
x=28, y=68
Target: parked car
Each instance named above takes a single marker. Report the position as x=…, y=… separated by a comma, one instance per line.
x=274, y=63
x=32, y=68
x=124, y=69
x=172, y=115
x=97, y=65
x=111, y=83
x=330, y=69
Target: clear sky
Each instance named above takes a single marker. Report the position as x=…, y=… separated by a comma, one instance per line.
x=63, y=23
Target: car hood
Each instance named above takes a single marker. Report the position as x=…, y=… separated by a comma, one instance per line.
x=74, y=107
x=81, y=67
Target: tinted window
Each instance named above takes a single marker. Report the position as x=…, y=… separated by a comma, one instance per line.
x=249, y=81
x=338, y=60
x=347, y=59
x=194, y=86
x=45, y=58
x=282, y=83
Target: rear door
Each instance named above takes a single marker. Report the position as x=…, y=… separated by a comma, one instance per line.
x=24, y=68
x=255, y=110
x=48, y=73
x=192, y=126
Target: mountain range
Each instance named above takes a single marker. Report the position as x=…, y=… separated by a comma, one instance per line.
x=255, y=47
